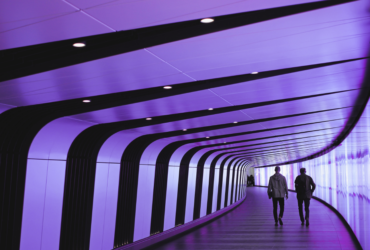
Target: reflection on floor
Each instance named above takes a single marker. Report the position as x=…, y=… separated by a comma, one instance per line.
x=252, y=226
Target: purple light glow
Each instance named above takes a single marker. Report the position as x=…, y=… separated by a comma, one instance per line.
x=342, y=178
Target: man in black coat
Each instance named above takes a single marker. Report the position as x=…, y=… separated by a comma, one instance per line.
x=304, y=186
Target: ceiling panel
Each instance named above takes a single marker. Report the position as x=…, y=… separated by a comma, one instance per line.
x=128, y=14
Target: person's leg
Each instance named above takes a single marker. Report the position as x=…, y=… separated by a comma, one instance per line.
x=281, y=205
x=300, y=209
x=274, y=201
x=307, y=210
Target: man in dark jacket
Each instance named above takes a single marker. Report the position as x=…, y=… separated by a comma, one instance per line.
x=304, y=186
x=277, y=190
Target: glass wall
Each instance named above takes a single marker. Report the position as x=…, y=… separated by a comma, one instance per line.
x=342, y=178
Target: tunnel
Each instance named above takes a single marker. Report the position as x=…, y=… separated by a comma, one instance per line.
x=137, y=124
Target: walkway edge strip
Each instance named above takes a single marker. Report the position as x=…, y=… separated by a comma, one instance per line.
x=177, y=231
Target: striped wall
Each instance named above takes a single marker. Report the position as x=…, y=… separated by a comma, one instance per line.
x=45, y=182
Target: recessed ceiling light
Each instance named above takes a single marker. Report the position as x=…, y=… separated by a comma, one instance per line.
x=254, y=73
x=235, y=122
x=207, y=137
x=79, y=45
x=207, y=20
x=167, y=87
x=148, y=119
x=184, y=129
x=86, y=101
x=210, y=109
x=224, y=142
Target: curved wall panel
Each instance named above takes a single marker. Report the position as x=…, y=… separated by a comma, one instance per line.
x=151, y=153
x=43, y=196
x=190, y=194
x=172, y=186
x=176, y=157
x=55, y=138
x=106, y=189
x=111, y=150
x=205, y=185
x=171, y=197
x=144, y=199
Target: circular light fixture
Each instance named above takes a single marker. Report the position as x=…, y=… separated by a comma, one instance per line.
x=167, y=87
x=184, y=129
x=235, y=122
x=207, y=20
x=148, y=119
x=79, y=45
x=210, y=109
x=254, y=73
x=207, y=137
x=224, y=142
x=86, y=101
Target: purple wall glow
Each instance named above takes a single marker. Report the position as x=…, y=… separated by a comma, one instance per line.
x=342, y=178
x=203, y=205
x=43, y=198
x=104, y=206
x=189, y=210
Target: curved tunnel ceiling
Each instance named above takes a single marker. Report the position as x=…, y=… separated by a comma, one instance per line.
x=271, y=82
x=263, y=38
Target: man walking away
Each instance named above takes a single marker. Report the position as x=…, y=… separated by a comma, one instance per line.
x=277, y=189
x=304, y=186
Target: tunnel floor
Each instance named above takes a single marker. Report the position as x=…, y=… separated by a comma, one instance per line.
x=252, y=226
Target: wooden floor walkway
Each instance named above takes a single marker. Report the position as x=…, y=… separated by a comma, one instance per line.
x=252, y=226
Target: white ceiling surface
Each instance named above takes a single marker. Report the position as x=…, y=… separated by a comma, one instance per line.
x=53, y=20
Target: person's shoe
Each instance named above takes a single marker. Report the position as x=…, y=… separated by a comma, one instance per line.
x=307, y=223
x=276, y=224
x=302, y=222
x=280, y=221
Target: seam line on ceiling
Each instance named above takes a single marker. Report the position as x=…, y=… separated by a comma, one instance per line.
x=170, y=64
x=177, y=69
x=13, y=106
x=95, y=19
